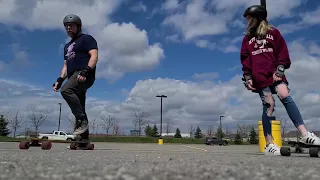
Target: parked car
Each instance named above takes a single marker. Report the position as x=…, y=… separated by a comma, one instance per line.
x=57, y=135
x=214, y=140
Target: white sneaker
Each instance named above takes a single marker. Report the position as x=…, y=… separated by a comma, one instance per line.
x=272, y=149
x=310, y=139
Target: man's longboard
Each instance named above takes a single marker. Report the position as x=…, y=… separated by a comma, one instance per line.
x=81, y=145
x=43, y=143
x=314, y=150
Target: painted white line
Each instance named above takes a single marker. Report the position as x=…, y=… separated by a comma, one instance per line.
x=194, y=148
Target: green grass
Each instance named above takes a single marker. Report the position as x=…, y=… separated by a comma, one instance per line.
x=9, y=139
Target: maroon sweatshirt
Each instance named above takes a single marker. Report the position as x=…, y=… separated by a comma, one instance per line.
x=260, y=58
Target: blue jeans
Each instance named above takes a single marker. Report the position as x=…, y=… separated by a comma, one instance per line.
x=268, y=104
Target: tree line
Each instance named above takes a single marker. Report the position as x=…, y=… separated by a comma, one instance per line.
x=12, y=121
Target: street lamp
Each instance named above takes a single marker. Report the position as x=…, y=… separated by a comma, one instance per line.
x=161, y=96
x=59, y=117
x=263, y=3
x=221, y=128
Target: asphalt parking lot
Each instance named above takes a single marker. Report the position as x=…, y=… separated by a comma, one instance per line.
x=124, y=161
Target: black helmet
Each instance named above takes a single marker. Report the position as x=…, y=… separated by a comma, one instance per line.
x=256, y=11
x=71, y=18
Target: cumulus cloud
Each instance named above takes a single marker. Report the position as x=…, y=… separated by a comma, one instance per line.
x=200, y=19
x=126, y=49
x=139, y=7
x=305, y=20
x=123, y=46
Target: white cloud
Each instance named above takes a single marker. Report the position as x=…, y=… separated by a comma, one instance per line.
x=170, y=5
x=197, y=22
x=126, y=49
x=306, y=20
x=123, y=47
x=139, y=7
x=201, y=19
x=208, y=76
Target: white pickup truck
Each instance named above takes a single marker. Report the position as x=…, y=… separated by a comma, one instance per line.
x=57, y=135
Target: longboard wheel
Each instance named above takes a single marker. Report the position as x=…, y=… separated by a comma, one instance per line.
x=46, y=145
x=314, y=152
x=90, y=146
x=73, y=146
x=24, y=145
x=285, y=151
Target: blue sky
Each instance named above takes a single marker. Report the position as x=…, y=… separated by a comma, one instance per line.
x=31, y=50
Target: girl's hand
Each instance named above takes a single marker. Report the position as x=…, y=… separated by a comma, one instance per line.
x=276, y=78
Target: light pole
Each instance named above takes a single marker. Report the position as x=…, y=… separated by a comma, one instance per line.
x=221, y=128
x=59, y=117
x=161, y=96
x=263, y=3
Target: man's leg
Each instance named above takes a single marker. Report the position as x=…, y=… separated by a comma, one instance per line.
x=283, y=93
x=82, y=97
x=69, y=92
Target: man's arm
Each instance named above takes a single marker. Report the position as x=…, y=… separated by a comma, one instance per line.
x=93, y=58
x=92, y=48
x=64, y=70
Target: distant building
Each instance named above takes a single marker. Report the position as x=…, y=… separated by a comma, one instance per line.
x=134, y=132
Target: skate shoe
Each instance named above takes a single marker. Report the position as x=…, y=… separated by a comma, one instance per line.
x=83, y=128
x=272, y=149
x=310, y=139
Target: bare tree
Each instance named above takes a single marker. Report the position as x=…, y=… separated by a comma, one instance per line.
x=210, y=130
x=168, y=126
x=72, y=121
x=116, y=130
x=244, y=130
x=228, y=132
x=140, y=119
x=107, y=122
x=37, y=117
x=93, y=125
x=191, y=130
x=15, y=122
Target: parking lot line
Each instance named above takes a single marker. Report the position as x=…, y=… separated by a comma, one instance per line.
x=194, y=148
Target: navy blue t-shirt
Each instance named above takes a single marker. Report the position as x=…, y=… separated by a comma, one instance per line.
x=76, y=53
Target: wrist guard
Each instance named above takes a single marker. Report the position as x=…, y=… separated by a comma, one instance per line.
x=280, y=71
x=59, y=81
x=84, y=72
x=245, y=80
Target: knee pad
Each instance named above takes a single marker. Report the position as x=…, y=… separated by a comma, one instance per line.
x=286, y=100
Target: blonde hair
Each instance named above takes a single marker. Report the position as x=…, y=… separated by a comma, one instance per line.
x=262, y=28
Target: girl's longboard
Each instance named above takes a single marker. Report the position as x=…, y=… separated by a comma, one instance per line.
x=314, y=150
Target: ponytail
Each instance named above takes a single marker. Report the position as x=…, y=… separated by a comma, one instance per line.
x=263, y=28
